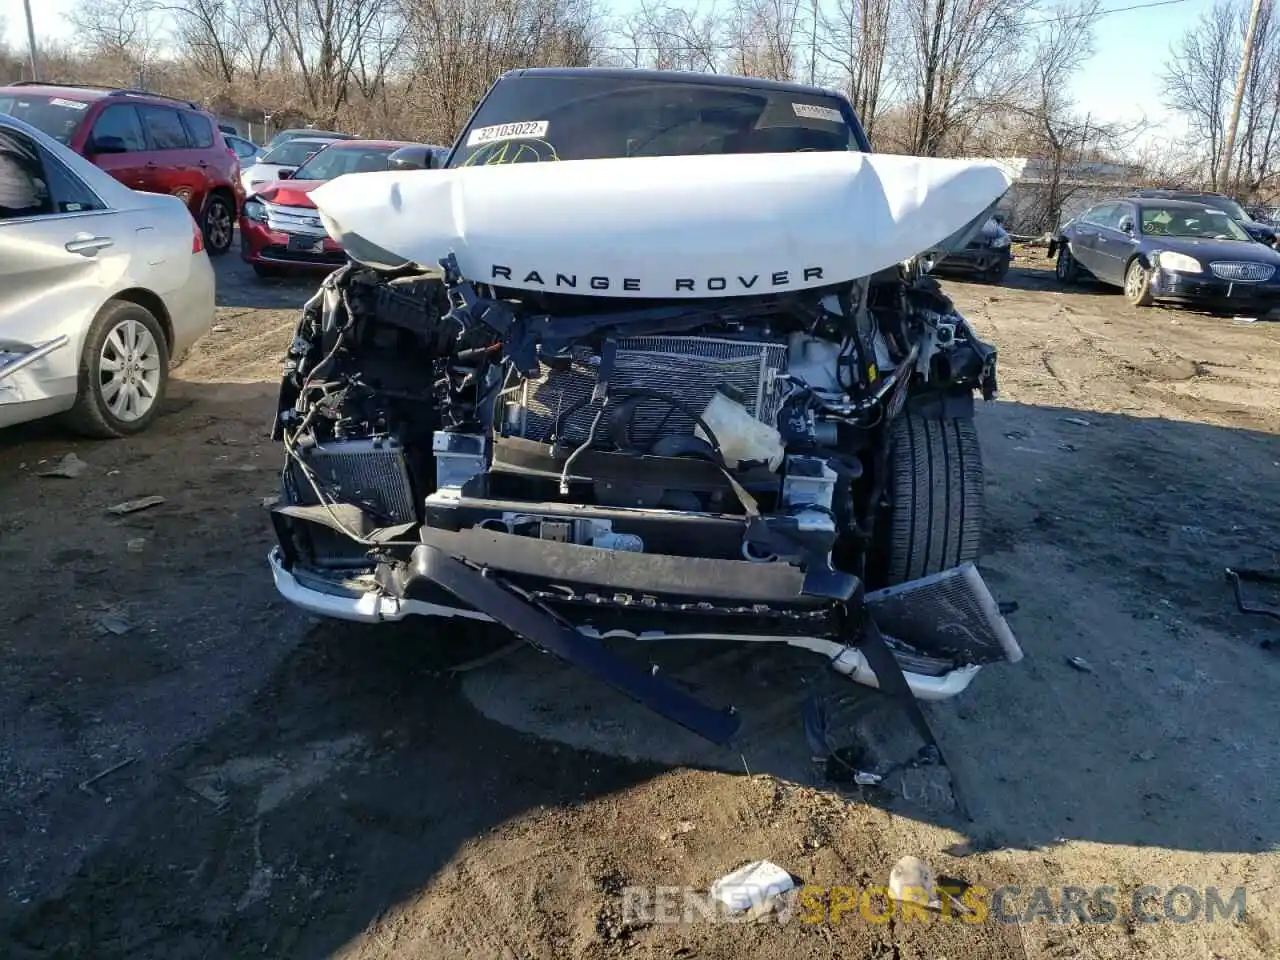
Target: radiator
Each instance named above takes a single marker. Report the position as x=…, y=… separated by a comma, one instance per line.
x=687, y=369
x=369, y=473
x=949, y=614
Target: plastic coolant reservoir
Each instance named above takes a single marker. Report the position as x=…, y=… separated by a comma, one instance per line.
x=742, y=436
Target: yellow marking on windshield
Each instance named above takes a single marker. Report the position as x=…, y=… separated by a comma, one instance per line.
x=512, y=151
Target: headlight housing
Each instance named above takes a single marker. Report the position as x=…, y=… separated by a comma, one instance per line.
x=1178, y=262
x=255, y=210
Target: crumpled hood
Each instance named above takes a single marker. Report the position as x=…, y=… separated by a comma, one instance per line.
x=289, y=193
x=665, y=227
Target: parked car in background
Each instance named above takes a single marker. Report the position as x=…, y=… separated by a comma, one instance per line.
x=279, y=226
x=146, y=141
x=284, y=136
x=1172, y=250
x=987, y=256
x=281, y=161
x=101, y=287
x=246, y=151
x=1262, y=232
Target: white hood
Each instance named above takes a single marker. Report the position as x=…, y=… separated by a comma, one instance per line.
x=689, y=226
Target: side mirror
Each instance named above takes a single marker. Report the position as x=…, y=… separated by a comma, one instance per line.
x=285, y=174
x=108, y=145
x=1126, y=224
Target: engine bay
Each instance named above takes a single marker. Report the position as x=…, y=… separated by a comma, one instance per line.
x=411, y=399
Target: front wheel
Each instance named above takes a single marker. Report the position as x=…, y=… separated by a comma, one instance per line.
x=935, y=489
x=1137, y=284
x=124, y=371
x=1066, y=269
x=217, y=224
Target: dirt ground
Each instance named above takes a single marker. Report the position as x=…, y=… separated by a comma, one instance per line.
x=297, y=789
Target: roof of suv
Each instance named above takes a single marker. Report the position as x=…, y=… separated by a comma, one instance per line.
x=89, y=91
x=1172, y=202
x=679, y=76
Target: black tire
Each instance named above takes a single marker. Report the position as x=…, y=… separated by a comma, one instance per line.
x=1067, y=270
x=1137, y=284
x=935, y=489
x=218, y=223
x=267, y=271
x=91, y=415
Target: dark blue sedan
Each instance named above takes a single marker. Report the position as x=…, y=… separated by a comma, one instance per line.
x=1170, y=250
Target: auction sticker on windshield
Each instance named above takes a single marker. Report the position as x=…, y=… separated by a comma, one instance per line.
x=73, y=104
x=525, y=130
x=813, y=112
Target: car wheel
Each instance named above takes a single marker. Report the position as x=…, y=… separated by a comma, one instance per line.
x=1137, y=284
x=266, y=271
x=935, y=489
x=124, y=372
x=217, y=224
x=1067, y=269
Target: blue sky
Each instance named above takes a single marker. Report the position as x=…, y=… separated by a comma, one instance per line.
x=1121, y=81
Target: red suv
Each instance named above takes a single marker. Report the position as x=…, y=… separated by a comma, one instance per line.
x=146, y=141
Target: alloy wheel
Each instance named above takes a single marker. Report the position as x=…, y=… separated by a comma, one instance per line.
x=129, y=370
x=218, y=225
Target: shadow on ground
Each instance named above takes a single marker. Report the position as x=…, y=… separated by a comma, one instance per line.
x=239, y=286
x=339, y=770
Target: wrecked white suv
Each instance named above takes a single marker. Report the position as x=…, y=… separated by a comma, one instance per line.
x=650, y=356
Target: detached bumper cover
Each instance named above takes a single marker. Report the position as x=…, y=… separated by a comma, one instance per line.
x=974, y=259
x=378, y=606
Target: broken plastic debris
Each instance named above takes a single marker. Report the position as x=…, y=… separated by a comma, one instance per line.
x=1081, y=664
x=136, y=544
x=741, y=436
x=752, y=886
x=70, y=466
x=133, y=506
x=1078, y=421
x=912, y=880
x=113, y=624
x=1144, y=755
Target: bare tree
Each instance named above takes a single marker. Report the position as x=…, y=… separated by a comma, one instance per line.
x=962, y=55
x=1200, y=77
x=123, y=34
x=461, y=46
x=1200, y=84
x=762, y=37
x=854, y=41
x=661, y=36
x=324, y=40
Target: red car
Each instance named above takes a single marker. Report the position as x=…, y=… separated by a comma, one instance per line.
x=279, y=226
x=146, y=141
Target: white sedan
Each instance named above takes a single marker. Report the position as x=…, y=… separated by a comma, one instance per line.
x=281, y=161
x=101, y=287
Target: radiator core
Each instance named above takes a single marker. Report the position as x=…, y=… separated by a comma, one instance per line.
x=687, y=369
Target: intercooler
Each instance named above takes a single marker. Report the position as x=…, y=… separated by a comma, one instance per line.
x=688, y=370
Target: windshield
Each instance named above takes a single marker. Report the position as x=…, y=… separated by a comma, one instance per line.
x=292, y=153
x=1197, y=223
x=57, y=116
x=529, y=119
x=338, y=159
x=1229, y=207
